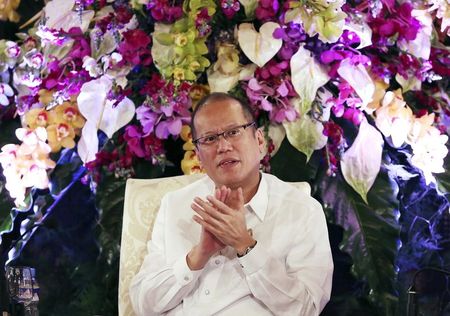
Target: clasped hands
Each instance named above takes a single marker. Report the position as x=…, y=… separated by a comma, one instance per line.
x=222, y=218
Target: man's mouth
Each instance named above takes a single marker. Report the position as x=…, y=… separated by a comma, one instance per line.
x=227, y=162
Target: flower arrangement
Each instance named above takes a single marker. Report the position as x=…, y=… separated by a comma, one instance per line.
x=91, y=73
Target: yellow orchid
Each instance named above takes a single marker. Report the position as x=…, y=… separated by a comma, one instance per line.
x=190, y=163
x=68, y=113
x=38, y=118
x=60, y=135
x=187, y=137
x=45, y=96
x=197, y=92
x=8, y=10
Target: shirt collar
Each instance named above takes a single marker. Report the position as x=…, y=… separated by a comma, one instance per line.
x=258, y=203
x=260, y=200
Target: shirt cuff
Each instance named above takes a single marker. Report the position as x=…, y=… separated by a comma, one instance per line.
x=254, y=260
x=183, y=274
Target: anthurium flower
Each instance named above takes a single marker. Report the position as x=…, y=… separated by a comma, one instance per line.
x=361, y=163
x=394, y=118
x=305, y=133
x=249, y=7
x=94, y=105
x=357, y=76
x=304, y=65
x=259, y=47
x=60, y=15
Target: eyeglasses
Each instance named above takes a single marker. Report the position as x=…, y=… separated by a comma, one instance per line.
x=231, y=133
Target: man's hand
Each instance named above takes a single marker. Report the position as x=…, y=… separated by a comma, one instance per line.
x=226, y=223
x=209, y=244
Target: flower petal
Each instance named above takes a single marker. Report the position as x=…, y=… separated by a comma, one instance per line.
x=303, y=65
x=361, y=163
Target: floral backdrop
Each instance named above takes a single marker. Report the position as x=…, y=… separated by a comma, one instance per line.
x=353, y=97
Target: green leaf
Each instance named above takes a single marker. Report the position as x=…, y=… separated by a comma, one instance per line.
x=298, y=169
x=371, y=234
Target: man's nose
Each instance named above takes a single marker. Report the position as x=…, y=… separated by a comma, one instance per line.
x=223, y=144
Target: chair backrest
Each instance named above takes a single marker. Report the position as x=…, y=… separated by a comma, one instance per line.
x=142, y=200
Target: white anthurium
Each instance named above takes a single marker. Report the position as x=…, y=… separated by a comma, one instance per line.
x=421, y=45
x=305, y=133
x=359, y=79
x=101, y=113
x=361, y=163
x=88, y=143
x=249, y=7
x=259, y=47
x=307, y=77
x=59, y=14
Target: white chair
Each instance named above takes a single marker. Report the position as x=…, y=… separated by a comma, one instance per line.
x=142, y=200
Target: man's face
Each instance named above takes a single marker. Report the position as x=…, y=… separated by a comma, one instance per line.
x=233, y=162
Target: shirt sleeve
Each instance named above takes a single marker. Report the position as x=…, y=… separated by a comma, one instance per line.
x=300, y=284
x=159, y=285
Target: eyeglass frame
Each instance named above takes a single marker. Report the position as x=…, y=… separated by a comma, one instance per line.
x=217, y=135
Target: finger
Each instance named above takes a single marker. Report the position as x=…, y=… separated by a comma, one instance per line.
x=218, y=194
x=222, y=207
x=208, y=208
x=240, y=196
x=226, y=193
x=208, y=226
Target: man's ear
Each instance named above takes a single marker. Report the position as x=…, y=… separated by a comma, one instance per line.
x=197, y=153
x=261, y=140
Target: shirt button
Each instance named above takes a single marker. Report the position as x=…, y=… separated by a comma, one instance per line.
x=186, y=278
x=206, y=292
x=217, y=261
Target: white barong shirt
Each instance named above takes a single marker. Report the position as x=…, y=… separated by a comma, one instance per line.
x=288, y=272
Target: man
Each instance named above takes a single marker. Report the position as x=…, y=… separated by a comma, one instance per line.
x=236, y=242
